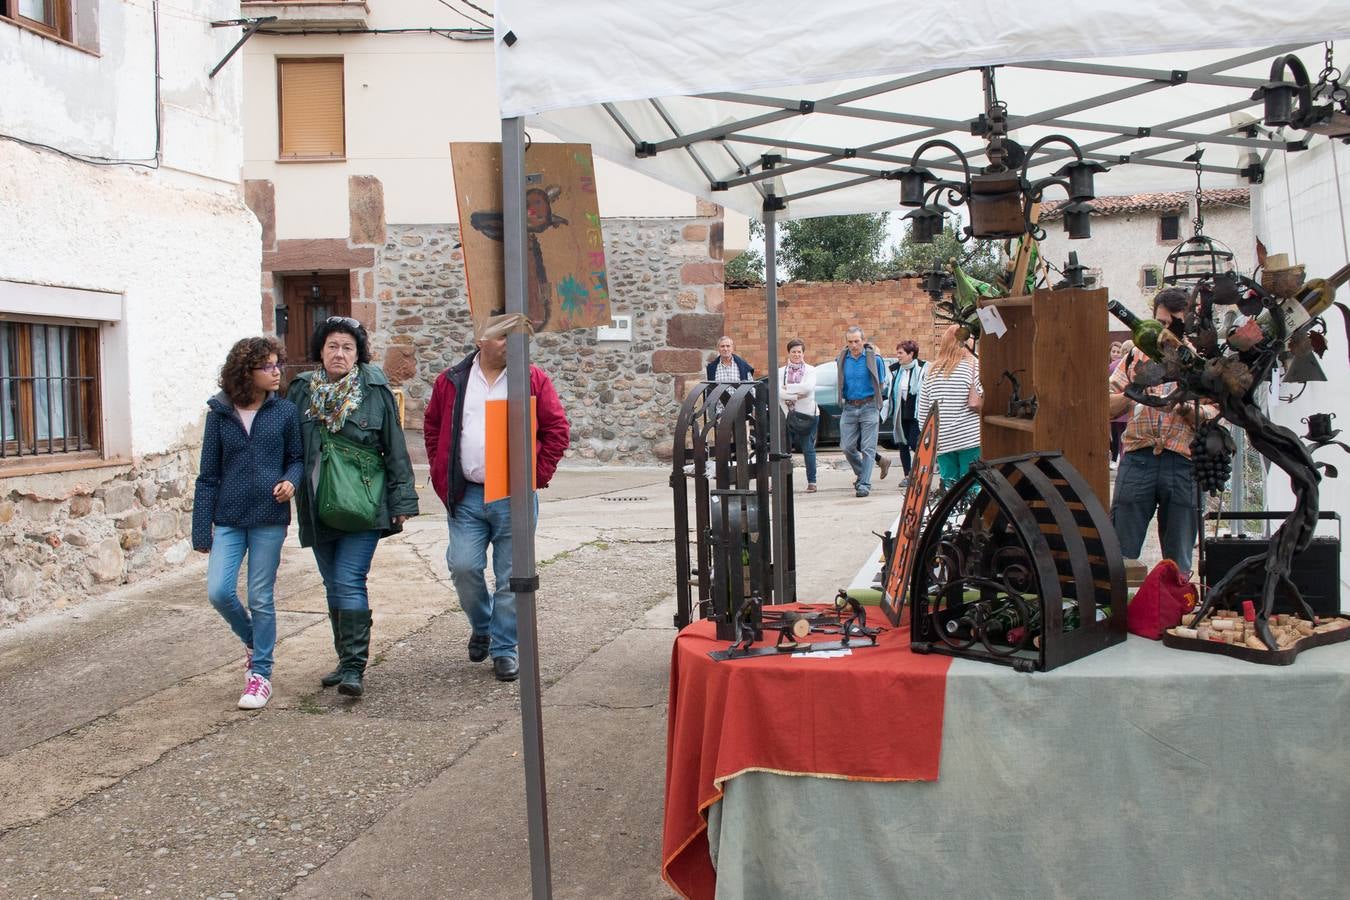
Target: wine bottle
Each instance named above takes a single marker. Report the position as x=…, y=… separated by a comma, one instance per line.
x=1313, y=299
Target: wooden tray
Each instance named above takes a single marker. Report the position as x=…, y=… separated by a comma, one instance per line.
x=1268, y=657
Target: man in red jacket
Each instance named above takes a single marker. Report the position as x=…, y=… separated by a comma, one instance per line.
x=455, y=436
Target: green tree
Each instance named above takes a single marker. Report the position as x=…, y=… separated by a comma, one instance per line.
x=833, y=248
x=979, y=258
x=749, y=265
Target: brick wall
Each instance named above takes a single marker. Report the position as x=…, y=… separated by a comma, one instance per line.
x=820, y=312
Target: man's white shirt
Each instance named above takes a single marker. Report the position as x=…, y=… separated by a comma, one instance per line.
x=473, y=427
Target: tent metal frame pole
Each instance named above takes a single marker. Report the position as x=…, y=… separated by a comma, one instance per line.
x=834, y=158
x=524, y=576
x=675, y=129
x=1193, y=76
x=1136, y=90
x=777, y=462
x=787, y=109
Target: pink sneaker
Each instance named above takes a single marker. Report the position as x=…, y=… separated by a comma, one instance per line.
x=256, y=694
x=248, y=665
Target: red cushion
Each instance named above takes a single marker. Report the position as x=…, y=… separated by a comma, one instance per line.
x=1161, y=601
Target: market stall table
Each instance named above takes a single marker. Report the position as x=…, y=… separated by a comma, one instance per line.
x=874, y=716
x=1134, y=773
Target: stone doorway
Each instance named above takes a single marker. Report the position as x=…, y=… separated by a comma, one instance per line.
x=309, y=300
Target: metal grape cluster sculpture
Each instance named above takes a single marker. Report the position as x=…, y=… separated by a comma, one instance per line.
x=1223, y=363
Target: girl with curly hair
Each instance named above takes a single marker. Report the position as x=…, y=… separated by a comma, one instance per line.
x=252, y=460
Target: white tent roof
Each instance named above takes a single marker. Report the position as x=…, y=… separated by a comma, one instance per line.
x=712, y=86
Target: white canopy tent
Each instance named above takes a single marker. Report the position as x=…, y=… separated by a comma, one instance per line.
x=695, y=93
x=845, y=93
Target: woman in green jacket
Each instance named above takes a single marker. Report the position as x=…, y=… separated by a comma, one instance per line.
x=347, y=396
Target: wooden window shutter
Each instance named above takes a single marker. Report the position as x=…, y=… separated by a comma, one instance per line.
x=310, y=100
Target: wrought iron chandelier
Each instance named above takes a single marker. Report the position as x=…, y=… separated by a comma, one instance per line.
x=1296, y=103
x=1001, y=198
x=1199, y=257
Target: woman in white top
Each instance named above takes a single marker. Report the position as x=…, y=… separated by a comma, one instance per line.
x=948, y=382
x=797, y=393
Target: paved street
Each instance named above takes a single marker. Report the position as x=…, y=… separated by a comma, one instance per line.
x=125, y=769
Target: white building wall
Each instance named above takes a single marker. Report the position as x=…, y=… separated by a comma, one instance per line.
x=1123, y=244
x=1301, y=210
x=407, y=97
x=176, y=241
x=160, y=253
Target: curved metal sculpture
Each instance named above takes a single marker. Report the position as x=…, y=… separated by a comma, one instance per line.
x=1225, y=370
x=722, y=450
x=1022, y=577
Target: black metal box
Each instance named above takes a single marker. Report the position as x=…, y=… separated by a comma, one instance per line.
x=1316, y=571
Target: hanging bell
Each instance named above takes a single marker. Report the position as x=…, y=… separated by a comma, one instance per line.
x=1303, y=368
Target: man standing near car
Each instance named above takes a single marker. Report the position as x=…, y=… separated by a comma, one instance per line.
x=861, y=383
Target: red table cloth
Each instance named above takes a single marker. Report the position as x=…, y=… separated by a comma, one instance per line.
x=875, y=715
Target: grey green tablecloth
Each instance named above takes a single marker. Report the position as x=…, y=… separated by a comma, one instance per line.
x=1139, y=772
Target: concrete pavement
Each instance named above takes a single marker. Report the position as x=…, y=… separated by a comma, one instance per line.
x=125, y=769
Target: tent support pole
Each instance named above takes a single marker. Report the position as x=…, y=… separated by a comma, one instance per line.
x=776, y=433
x=524, y=577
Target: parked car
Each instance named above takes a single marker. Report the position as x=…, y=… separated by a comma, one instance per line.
x=827, y=398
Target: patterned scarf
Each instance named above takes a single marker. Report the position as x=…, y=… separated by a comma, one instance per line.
x=331, y=402
x=794, y=373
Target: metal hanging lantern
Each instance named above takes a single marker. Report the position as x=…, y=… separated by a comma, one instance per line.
x=926, y=223
x=1200, y=257
x=1080, y=174
x=1197, y=259
x=1077, y=220
x=1001, y=197
x=913, y=180
x=934, y=280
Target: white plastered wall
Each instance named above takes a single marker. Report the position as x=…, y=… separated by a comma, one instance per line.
x=1124, y=243
x=1301, y=210
x=406, y=98
x=176, y=243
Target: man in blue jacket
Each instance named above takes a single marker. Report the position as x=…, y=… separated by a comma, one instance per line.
x=862, y=381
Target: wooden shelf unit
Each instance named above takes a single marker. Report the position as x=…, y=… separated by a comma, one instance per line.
x=1060, y=341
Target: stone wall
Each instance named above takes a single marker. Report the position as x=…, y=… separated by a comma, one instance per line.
x=621, y=396
x=65, y=536
x=820, y=312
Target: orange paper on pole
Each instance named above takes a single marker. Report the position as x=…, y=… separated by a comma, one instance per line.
x=497, y=484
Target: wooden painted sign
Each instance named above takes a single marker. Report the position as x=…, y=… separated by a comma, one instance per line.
x=911, y=520
x=567, y=285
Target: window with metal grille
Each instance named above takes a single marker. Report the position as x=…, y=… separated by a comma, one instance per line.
x=1150, y=277
x=1169, y=227
x=52, y=17
x=311, y=112
x=49, y=389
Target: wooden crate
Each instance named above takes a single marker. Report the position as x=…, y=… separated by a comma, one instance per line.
x=1060, y=340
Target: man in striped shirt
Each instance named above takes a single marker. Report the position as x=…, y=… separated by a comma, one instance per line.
x=1155, y=470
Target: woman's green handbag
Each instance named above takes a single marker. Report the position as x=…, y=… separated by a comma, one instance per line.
x=351, y=484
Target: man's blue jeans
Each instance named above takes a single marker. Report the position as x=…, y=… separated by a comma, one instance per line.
x=858, y=439
x=473, y=527
x=1165, y=482
x=256, y=626
x=344, y=565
